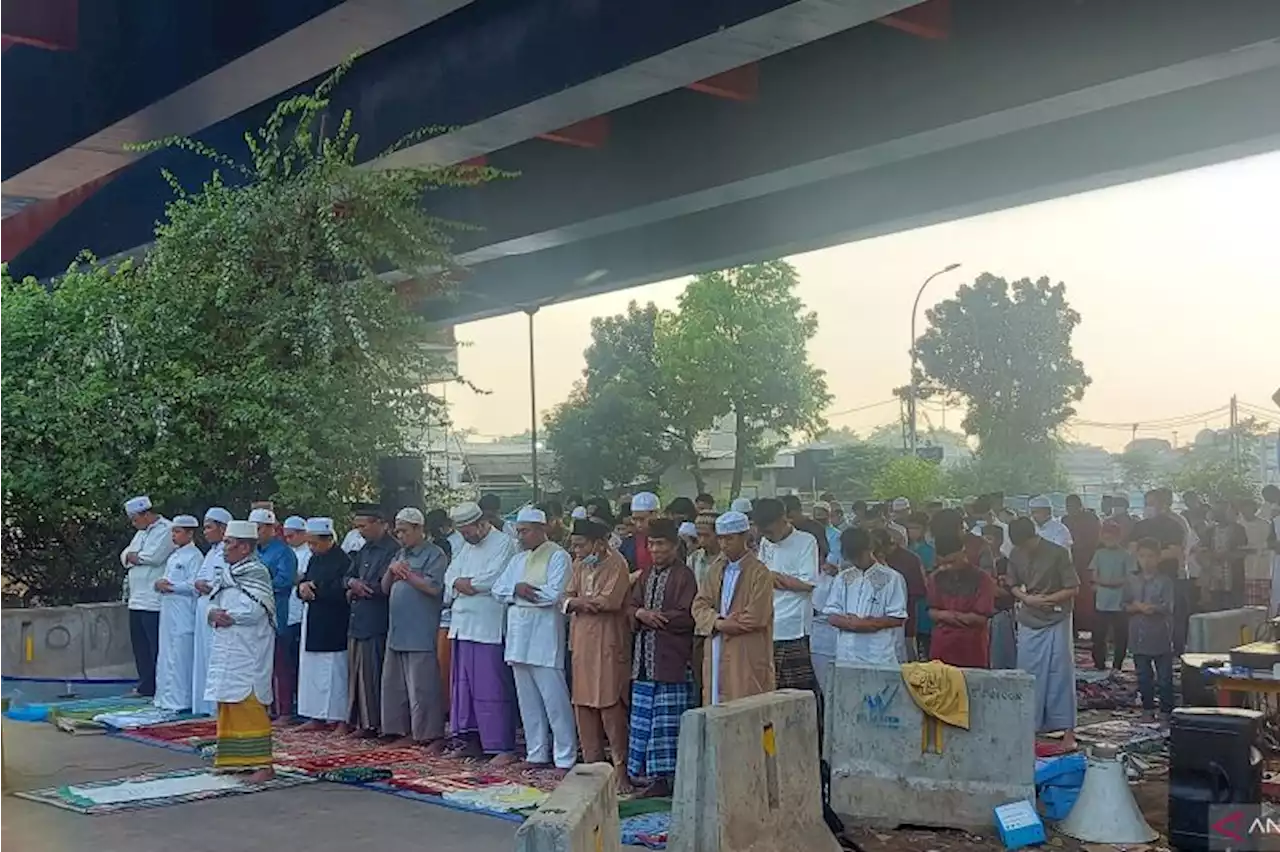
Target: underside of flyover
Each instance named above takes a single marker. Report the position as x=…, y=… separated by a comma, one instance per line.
x=658, y=139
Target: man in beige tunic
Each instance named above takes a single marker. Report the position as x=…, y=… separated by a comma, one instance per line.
x=600, y=645
x=734, y=607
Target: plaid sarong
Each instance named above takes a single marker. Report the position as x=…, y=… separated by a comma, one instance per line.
x=1257, y=593
x=793, y=665
x=656, y=709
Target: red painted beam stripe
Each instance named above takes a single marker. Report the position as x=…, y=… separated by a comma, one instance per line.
x=931, y=19
x=48, y=24
x=20, y=231
x=592, y=133
x=736, y=84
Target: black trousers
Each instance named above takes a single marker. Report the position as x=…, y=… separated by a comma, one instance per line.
x=144, y=634
x=1116, y=626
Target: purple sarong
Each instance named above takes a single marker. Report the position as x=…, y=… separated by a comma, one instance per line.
x=482, y=695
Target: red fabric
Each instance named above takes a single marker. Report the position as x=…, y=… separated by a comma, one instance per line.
x=909, y=566
x=644, y=560
x=962, y=646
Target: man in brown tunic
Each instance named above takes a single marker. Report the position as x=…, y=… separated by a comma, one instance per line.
x=600, y=644
x=735, y=608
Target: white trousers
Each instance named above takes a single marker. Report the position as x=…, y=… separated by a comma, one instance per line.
x=546, y=712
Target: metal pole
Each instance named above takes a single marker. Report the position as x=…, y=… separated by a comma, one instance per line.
x=914, y=387
x=533, y=406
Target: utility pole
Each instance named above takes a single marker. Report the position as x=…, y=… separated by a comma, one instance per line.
x=1233, y=431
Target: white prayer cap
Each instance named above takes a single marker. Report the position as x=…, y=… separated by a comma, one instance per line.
x=731, y=523
x=465, y=513
x=137, y=505
x=579, y=513
x=645, y=501
x=688, y=530
x=218, y=515
x=242, y=529
x=319, y=526
x=262, y=516
x=741, y=504
x=296, y=523
x=411, y=515
x=901, y=504
x=531, y=515
x=1039, y=503
x=186, y=522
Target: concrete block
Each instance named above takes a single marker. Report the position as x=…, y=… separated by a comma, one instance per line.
x=43, y=642
x=883, y=772
x=108, y=653
x=747, y=778
x=580, y=816
x=1219, y=632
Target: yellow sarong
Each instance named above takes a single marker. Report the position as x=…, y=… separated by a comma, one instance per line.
x=244, y=735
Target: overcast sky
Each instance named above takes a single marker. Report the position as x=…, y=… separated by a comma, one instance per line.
x=1177, y=280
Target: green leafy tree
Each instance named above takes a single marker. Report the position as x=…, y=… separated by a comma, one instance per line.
x=1004, y=350
x=626, y=419
x=739, y=339
x=255, y=353
x=908, y=476
x=1140, y=468
x=853, y=468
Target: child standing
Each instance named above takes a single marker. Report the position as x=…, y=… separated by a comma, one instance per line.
x=1148, y=597
x=918, y=543
x=1111, y=568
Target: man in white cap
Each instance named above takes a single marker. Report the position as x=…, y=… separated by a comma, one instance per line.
x=177, y=590
x=367, y=639
x=741, y=505
x=482, y=711
x=215, y=529
x=243, y=614
x=644, y=507
x=734, y=607
x=144, y=560
x=326, y=617
x=533, y=583
x=283, y=565
x=412, y=695
x=1048, y=527
x=901, y=511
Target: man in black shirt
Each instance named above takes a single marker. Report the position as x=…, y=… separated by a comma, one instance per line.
x=801, y=521
x=1159, y=523
x=367, y=639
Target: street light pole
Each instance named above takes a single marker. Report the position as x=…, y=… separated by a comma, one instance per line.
x=914, y=387
x=533, y=405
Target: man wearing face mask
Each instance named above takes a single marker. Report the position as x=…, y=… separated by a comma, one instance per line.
x=599, y=645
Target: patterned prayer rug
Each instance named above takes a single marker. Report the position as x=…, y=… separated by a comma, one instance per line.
x=153, y=791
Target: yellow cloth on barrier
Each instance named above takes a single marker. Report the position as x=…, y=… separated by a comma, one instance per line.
x=939, y=690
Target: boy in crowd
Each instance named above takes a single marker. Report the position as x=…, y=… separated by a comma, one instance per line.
x=1149, y=599
x=1111, y=568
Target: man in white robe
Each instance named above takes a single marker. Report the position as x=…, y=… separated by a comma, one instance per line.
x=144, y=560
x=533, y=583
x=177, y=591
x=243, y=616
x=215, y=528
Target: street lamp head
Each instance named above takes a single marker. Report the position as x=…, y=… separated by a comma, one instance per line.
x=951, y=266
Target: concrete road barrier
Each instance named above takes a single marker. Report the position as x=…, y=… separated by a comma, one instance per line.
x=72, y=642
x=580, y=816
x=747, y=778
x=1219, y=632
x=887, y=769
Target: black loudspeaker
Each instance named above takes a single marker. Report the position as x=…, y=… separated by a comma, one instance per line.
x=400, y=483
x=1213, y=760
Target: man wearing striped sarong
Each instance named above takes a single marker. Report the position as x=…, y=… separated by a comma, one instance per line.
x=243, y=616
x=662, y=651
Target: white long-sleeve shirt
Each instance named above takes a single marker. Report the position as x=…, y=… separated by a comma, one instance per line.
x=535, y=629
x=479, y=617
x=153, y=546
x=303, y=552
x=878, y=592
x=796, y=556
x=241, y=656
x=178, y=607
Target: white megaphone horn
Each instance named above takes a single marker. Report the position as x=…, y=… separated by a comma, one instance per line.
x=1106, y=811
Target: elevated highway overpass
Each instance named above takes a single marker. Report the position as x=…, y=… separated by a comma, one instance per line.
x=652, y=138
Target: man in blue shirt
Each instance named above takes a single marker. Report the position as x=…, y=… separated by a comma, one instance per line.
x=282, y=562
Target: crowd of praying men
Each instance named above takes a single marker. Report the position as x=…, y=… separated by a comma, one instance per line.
x=593, y=632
